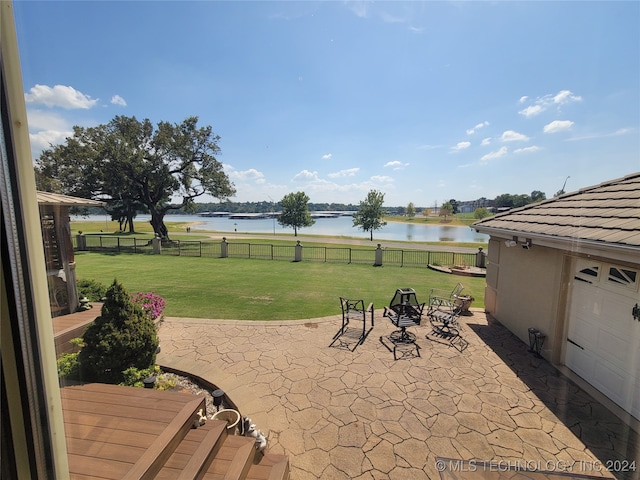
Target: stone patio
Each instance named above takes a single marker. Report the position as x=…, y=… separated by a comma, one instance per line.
x=340, y=414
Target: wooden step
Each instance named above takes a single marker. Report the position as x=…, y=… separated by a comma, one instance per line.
x=196, y=452
x=233, y=460
x=124, y=432
x=152, y=461
x=270, y=467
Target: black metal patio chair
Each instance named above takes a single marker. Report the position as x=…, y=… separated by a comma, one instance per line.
x=403, y=311
x=353, y=310
x=443, y=313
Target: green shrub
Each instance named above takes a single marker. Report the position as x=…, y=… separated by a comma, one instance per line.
x=94, y=291
x=134, y=378
x=123, y=336
x=68, y=366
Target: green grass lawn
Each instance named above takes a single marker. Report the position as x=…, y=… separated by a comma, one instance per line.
x=244, y=289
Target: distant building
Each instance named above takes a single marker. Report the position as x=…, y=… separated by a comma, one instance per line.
x=471, y=205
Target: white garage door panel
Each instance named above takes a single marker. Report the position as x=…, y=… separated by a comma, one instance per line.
x=611, y=382
x=580, y=361
x=600, y=322
x=614, y=348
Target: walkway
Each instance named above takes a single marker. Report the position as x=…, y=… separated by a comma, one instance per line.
x=361, y=415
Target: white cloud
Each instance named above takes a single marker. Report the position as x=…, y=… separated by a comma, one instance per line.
x=327, y=156
x=429, y=147
x=359, y=8
x=348, y=172
x=46, y=128
x=247, y=175
x=530, y=149
x=557, y=126
x=621, y=131
x=512, y=136
x=45, y=139
x=46, y=120
x=461, y=146
x=118, y=100
x=396, y=165
x=388, y=18
x=473, y=130
x=305, y=175
x=563, y=97
x=531, y=111
x=59, y=96
x=523, y=99
x=495, y=154
x=485, y=142
x=381, y=179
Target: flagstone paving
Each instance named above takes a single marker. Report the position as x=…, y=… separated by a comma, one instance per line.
x=342, y=414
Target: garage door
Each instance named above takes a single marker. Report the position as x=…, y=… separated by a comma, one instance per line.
x=603, y=340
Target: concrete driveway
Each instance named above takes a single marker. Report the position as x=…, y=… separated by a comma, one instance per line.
x=342, y=414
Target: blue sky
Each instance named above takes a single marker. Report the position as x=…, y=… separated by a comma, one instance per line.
x=423, y=101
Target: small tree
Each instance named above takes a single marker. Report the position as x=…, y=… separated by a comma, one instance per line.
x=123, y=336
x=446, y=210
x=411, y=210
x=370, y=213
x=295, y=211
x=480, y=213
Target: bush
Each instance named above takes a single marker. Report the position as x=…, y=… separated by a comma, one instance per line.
x=123, y=336
x=68, y=366
x=152, y=304
x=94, y=291
x=134, y=378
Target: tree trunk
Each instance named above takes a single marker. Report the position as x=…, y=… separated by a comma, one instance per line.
x=157, y=222
x=130, y=220
x=372, y=234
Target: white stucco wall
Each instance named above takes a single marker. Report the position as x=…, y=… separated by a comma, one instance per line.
x=523, y=289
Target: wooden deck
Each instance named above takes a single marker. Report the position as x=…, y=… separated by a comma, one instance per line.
x=116, y=432
x=68, y=327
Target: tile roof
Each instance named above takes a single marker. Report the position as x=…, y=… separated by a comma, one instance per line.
x=48, y=198
x=608, y=213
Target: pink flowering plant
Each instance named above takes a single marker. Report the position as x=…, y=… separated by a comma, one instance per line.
x=151, y=303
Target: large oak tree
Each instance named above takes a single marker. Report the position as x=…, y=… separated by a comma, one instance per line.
x=130, y=163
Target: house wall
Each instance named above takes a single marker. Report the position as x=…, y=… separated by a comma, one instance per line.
x=523, y=290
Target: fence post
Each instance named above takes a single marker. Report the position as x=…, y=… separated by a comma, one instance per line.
x=480, y=258
x=378, y=262
x=81, y=242
x=224, y=248
x=298, y=254
x=157, y=245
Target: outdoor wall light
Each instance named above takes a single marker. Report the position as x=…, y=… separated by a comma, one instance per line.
x=511, y=243
x=635, y=312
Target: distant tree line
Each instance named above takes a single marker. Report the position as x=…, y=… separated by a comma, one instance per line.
x=505, y=200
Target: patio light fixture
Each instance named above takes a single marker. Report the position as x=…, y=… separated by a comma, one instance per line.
x=218, y=396
x=536, y=340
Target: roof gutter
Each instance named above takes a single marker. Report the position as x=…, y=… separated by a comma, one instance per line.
x=575, y=245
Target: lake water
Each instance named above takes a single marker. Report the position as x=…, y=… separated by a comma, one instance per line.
x=338, y=226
